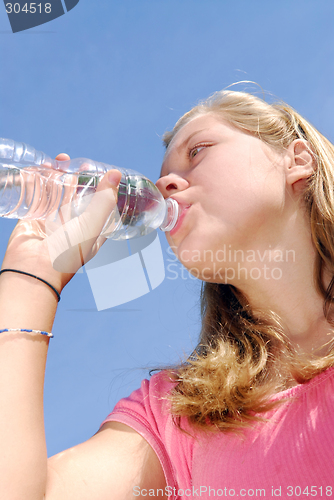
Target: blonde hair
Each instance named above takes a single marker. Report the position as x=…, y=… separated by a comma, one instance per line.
x=243, y=359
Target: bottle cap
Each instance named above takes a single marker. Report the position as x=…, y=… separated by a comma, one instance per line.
x=172, y=214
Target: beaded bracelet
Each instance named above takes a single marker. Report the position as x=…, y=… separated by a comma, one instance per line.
x=47, y=334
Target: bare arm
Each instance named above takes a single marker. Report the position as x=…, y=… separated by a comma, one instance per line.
x=22, y=366
x=91, y=470
x=115, y=464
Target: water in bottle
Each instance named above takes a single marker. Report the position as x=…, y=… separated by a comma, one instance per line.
x=34, y=186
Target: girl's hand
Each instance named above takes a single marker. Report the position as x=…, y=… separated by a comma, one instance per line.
x=56, y=250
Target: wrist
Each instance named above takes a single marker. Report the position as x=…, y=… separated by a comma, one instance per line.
x=26, y=303
x=24, y=273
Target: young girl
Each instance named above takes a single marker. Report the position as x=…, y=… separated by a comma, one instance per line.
x=250, y=412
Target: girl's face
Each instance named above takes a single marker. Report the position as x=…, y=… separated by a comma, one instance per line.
x=231, y=189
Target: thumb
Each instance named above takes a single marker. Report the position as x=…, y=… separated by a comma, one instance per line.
x=109, y=185
x=113, y=177
x=102, y=204
x=101, y=212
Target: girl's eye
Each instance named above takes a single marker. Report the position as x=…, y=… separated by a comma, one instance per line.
x=194, y=151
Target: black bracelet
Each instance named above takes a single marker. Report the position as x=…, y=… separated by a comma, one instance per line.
x=32, y=276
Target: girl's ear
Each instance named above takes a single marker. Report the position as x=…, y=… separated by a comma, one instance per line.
x=302, y=161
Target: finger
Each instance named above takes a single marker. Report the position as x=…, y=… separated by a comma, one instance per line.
x=62, y=157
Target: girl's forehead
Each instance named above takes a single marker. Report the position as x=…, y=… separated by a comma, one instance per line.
x=202, y=122
x=199, y=123
x=195, y=125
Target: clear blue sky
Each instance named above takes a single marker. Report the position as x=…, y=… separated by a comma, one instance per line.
x=105, y=81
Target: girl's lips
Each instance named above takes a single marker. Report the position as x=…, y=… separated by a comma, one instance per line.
x=183, y=211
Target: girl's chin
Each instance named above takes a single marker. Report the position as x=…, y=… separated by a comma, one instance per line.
x=208, y=275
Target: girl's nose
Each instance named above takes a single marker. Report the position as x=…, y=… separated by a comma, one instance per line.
x=171, y=184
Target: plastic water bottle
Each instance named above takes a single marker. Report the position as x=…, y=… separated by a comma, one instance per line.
x=32, y=186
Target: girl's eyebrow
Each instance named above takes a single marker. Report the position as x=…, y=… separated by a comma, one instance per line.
x=185, y=142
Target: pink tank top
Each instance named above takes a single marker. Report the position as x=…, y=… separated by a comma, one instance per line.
x=289, y=455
